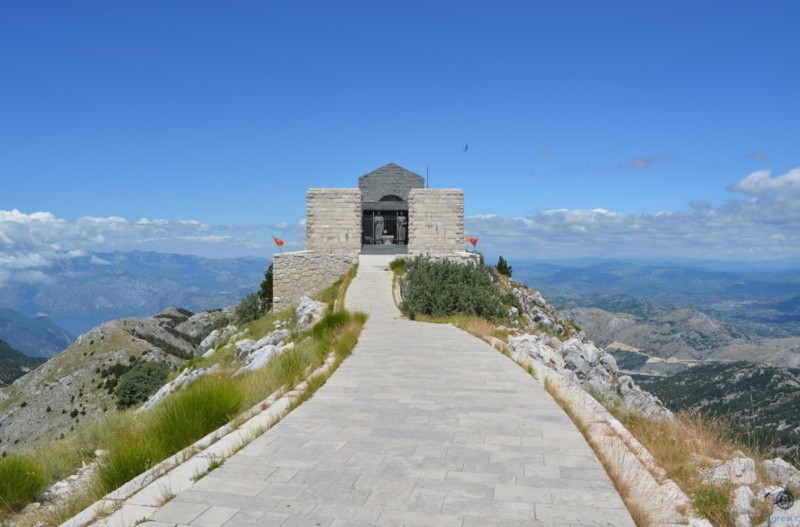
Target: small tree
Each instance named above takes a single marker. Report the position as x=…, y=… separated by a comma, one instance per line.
x=265, y=295
x=503, y=268
x=249, y=309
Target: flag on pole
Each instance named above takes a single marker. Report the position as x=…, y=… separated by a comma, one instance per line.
x=473, y=241
x=278, y=241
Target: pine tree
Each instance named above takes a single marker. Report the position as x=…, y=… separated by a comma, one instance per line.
x=265, y=295
x=503, y=267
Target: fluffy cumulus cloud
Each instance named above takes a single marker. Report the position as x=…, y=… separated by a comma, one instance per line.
x=762, y=182
x=764, y=225
x=31, y=242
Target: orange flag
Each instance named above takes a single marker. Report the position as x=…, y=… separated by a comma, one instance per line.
x=278, y=241
x=473, y=241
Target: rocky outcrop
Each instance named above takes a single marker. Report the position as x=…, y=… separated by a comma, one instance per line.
x=592, y=368
x=256, y=354
x=309, y=312
x=781, y=471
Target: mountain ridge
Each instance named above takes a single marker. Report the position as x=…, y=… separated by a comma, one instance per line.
x=99, y=286
x=14, y=364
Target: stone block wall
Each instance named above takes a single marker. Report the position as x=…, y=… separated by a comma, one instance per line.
x=333, y=220
x=435, y=221
x=305, y=273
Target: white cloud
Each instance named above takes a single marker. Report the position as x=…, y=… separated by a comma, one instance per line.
x=31, y=242
x=760, y=182
x=206, y=239
x=96, y=260
x=763, y=226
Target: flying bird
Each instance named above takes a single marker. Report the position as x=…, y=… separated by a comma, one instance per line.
x=466, y=147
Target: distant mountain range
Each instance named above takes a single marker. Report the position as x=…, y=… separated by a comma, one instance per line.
x=722, y=342
x=82, y=292
x=765, y=303
x=14, y=364
x=33, y=336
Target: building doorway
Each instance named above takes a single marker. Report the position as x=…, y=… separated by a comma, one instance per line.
x=384, y=227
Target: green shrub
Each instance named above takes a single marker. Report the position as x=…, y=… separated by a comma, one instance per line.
x=140, y=382
x=249, y=309
x=21, y=478
x=445, y=288
x=398, y=265
x=510, y=300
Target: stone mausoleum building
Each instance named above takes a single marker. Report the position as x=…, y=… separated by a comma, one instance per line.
x=391, y=212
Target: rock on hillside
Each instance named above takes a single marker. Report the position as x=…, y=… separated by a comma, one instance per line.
x=543, y=334
x=78, y=386
x=679, y=333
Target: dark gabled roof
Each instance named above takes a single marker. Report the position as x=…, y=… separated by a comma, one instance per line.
x=390, y=179
x=393, y=170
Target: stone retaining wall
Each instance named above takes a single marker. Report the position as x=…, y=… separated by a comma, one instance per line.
x=333, y=220
x=306, y=273
x=436, y=221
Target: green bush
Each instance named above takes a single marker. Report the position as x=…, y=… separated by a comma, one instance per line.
x=249, y=309
x=140, y=382
x=398, y=265
x=445, y=288
x=21, y=478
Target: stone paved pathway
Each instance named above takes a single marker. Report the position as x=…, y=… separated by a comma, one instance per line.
x=424, y=425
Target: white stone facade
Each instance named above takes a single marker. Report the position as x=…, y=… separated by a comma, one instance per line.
x=334, y=236
x=435, y=221
x=333, y=220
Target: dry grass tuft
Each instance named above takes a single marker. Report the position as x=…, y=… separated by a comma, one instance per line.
x=680, y=447
x=475, y=325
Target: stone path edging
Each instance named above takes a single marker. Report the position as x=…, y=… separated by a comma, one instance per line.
x=661, y=500
x=139, y=498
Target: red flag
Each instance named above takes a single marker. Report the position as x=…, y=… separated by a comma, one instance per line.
x=278, y=241
x=473, y=241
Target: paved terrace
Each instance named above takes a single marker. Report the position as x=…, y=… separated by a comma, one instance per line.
x=424, y=425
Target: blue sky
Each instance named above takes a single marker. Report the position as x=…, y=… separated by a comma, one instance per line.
x=608, y=129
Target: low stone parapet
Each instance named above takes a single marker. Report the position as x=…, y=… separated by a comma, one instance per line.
x=306, y=273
